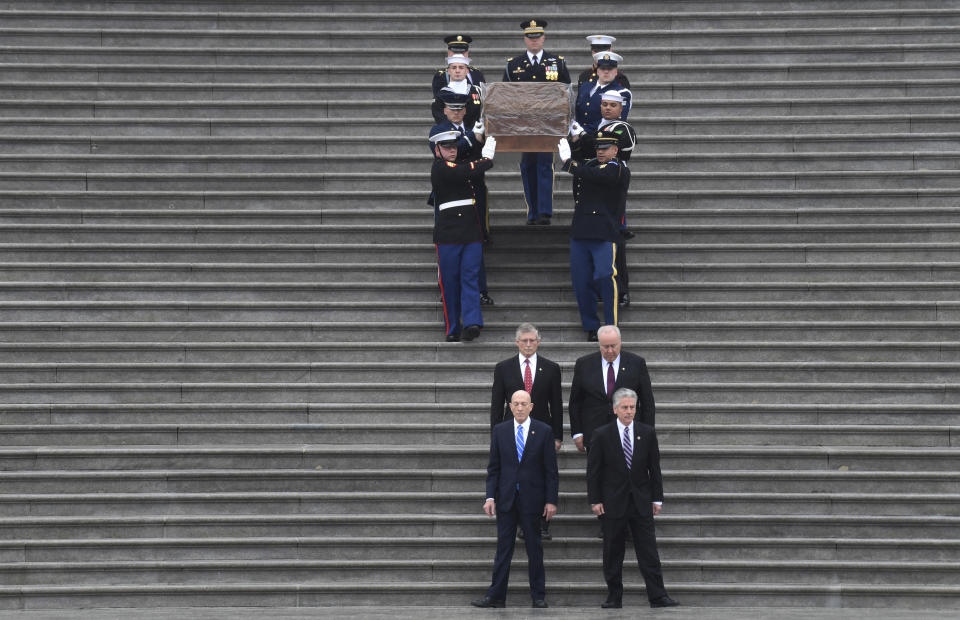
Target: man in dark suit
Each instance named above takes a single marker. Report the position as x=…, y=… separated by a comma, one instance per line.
x=625, y=490
x=595, y=378
x=540, y=378
x=522, y=486
x=545, y=390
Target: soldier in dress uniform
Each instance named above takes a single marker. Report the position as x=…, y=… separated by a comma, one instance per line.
x=599, y=192
x=599, y=43
x=457, y=70
x=583, y=147
x=469, y=145
x=536, y=169
x=457, y=44
x=591, y=91
x=458, y=234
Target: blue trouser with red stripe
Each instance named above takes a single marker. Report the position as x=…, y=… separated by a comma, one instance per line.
x=459, y=265
x=593, y=273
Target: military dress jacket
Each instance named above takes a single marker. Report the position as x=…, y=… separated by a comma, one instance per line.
x=599, y=196
x=551, y=68
x=454, y=193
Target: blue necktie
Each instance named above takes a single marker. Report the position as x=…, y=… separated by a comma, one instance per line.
x=519, y=443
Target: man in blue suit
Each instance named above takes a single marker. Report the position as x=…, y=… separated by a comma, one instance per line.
x=522, y=486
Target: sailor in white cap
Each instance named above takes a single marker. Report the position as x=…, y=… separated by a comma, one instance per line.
x=458, y=70
x=457, y=44
x=588, y=97
x=599, y=43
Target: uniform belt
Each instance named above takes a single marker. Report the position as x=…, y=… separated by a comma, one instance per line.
x=455, y=203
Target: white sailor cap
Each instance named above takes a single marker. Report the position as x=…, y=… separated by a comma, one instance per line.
x=607, y=59
x=601, y=40
x=612, y=95
x=458, y=58
x=445, y=138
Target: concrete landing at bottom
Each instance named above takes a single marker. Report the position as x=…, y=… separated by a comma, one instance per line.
x=446, y=613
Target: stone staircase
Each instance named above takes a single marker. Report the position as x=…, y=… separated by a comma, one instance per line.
x=221, y=375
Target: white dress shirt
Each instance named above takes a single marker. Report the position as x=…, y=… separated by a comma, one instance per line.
x=533, y=366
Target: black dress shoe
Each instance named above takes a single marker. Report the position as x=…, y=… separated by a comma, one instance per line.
x=592, y=335
x=612, y=603
x=626, y=234
x=663, y=601
x=539, y=604
x=531, y=222
x=543, y=220
x=624, y=300
x=488, y=602
x=485, y=300
x=470, y=332
x=453, y=338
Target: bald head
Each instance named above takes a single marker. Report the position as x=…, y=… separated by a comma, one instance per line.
x=520, y=405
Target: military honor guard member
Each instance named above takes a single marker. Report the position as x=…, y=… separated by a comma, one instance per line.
x=457, y=44
x=458, y=233
x=536, y=169
x=458, y=84
x=522, y=487
x=590, y=92
x=469, y=146
x=584, y=148
x=625, y=489
x=599, y=193
x=599, y=43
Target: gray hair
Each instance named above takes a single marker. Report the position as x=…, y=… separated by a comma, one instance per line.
x=623, y=393
x=609, y=328
x=526, y=328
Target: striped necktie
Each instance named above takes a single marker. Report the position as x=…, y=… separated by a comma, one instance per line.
x=519, y=442
x=627, y=447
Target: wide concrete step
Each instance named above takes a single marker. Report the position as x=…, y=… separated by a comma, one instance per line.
x=439, y=571
x=453, y=503
x=548, y=252
x=810, y=91
x=354, y=456
x=501, y=333
x=646, y=165
x=460, y=480
x=653, y=144
x=556, y=275
x=414, y=128
x=472, y=525
x=654, y=180
x=436, y=481
x=493, y=50
x=285, y=372
x=342, y=412
x=458, y=432
x=424, y=22
x=476, y=548
x=481, y=353
x=412, y=594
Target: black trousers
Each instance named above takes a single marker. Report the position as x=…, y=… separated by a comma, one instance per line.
x=645, y=546
x=507, y=521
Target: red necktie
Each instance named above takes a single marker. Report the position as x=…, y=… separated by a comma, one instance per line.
x=610, y=380
x=527, y=377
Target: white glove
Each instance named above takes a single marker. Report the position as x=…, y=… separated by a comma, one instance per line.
x=489, y=147
x=479, y=128
x=576, y=129
x=564, y=149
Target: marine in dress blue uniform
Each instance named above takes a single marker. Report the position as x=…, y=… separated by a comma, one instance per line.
x=458, y=234
x=536, y=169
x=457, y=44
x=599, y=43
x=590, y=92
x=599, y=193
x=469, y=145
